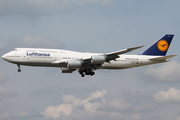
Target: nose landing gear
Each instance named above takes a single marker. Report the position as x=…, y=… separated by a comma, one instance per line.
x=19, y=68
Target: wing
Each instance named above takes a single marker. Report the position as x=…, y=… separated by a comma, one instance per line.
x=114, y=55
x=91, y=62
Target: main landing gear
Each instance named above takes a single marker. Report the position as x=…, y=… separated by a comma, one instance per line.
x=19, y=68
x=86, y=72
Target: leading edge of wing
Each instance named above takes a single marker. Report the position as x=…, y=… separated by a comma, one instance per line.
x=116, y=53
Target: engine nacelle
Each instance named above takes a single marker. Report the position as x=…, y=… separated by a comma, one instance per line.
x=98, y=59
x=67, y=70
x=74, y=64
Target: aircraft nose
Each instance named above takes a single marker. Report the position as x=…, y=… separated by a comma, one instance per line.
x=4, y=57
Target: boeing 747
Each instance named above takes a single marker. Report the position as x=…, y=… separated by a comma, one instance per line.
x=87, y=63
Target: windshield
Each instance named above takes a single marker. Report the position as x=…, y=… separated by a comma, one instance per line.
x=15, y=49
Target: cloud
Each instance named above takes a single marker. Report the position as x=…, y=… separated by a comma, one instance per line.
x=35, y=8
x=73, y=106
x=34, y=42
x=21, y=114
x=130, y=102
x=96, y=100
x=96, y=107
x=87, y=103
x=6, y=93
x=121, y=116
x=57, y=111
x=47, y=90
x=178, y=118
x=171, y=95
x=119, y=103
x=4, y=115
x=167, y=72
x=3, y=78
x=18, y=115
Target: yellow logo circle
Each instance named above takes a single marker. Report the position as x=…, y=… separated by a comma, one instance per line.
x=162, y=45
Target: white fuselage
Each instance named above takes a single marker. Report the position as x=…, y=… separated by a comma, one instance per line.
x=46, y=57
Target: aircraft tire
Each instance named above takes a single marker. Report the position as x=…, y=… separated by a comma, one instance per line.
x=82, y=75
x=19, y=70
x=92, y=73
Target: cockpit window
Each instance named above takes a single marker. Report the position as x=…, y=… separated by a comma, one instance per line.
x=15, y=49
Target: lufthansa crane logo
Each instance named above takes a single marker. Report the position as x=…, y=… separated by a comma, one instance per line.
x=162, y=45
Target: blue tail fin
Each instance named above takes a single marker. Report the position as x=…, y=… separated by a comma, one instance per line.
x=160, y=47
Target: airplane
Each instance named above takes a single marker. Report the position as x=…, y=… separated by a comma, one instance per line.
x=87, y=63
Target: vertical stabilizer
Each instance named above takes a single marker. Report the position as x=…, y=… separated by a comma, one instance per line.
x=160, y=48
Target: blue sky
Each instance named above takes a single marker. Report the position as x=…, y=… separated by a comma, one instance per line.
x=150, y=92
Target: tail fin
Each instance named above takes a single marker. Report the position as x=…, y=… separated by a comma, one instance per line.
x=160, y=47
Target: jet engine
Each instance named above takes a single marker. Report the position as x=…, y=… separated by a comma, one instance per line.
x=74, y=64
x=98, y=59
x=67, y=70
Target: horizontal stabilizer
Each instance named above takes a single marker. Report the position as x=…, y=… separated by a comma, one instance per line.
x=163, y=58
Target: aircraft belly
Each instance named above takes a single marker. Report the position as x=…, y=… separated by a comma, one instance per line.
x=40, y=64
x=118, y=65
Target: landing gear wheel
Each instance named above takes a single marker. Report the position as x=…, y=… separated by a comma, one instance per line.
x=19, y=70
x=82, y=75
x=87, y=73
x=81, y=72
x=92, y=73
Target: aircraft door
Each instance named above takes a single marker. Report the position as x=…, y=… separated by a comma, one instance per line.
x=25, y=55
x=55, y=58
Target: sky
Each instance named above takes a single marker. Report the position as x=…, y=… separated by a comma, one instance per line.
x=40, y=93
